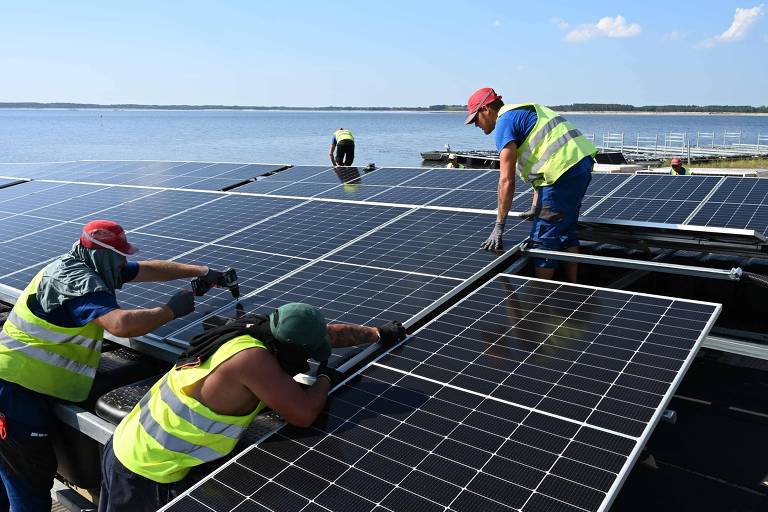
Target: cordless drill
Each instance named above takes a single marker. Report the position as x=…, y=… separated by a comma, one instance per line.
x=227, y=280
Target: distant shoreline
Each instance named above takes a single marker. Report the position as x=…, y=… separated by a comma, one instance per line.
x=572, y=109
x=371, y=111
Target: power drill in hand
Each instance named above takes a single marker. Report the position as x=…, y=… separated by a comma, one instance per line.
x=228, y=280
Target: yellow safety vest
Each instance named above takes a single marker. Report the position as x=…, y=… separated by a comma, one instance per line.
x=168, y=432
x=686, y=172
x=343, y=135
x=52, y=360
x=553, y=146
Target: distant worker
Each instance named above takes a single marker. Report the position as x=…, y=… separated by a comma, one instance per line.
x=453, y=162
x=50, y=347
x=344, y=144
x=550, y=154
x=198, y=410
x=678, y=169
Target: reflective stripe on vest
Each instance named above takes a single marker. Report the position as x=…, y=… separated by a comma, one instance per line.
x=169, y=432
x=343, y=135
x=46, y=358
x=552, y=147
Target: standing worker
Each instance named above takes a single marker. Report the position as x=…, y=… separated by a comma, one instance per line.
x=198, y=410
x=344, y=144
x=550, y=154
x=678, y=169
x=51, y=343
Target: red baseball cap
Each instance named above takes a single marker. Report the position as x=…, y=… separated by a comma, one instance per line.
x=479, y=99
x=106, y=234
x=677, y=161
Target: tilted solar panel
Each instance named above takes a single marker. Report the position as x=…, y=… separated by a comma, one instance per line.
x=407, y=434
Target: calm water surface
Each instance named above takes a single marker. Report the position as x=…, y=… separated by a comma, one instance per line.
x=384, y=138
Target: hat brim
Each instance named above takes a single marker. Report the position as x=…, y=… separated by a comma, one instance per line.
x=130, y=249
x=471, y=117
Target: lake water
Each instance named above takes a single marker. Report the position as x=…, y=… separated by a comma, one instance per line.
x=296, y=137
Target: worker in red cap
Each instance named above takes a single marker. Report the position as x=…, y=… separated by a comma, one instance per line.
x=678, y=169
x=550, y=154
x=50, y=346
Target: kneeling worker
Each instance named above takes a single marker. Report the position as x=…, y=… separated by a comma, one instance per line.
x=50, y=347
x=344, y=144
x=198, y=410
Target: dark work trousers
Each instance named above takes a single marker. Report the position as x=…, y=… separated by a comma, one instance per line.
x=122, y=490
x=27, y=460
x=345, y=152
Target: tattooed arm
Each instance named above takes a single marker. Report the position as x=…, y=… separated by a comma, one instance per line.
x=349, y=335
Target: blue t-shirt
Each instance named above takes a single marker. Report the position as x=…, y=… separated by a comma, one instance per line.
x=78, y=312
x=515, y=125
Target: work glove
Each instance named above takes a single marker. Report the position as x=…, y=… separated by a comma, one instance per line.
x=494, y=241
x=390, y=333
x=213, y=277
x=529, y=214
x=182, y=303
x=333, y=375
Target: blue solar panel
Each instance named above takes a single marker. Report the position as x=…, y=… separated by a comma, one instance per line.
x=432, y=426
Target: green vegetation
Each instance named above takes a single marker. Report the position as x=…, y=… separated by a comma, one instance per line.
x=746, y=163
x=574, y=107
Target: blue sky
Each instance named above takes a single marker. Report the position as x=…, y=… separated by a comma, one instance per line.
x=394, y=53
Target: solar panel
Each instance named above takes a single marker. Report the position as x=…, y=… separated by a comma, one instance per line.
x=254, y=270
x=662, y=199
x=600, y=186
x=78, y=206
x=345, y=293
x=417, y=431
x=9, y=182
x=432, y=241
x=739, y=203
x=353, y=192
x=44, y=196
x=409, y=195
x=218, y=218
x=24, y=189
x=312, y=229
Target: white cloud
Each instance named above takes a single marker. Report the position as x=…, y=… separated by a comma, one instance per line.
x=673, y=36
x=743, y=20
x=560, y=22
x=497, y=23
x=606, y=27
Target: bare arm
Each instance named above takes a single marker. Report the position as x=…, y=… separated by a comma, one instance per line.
x=163, y=270
x=535, y=199
x=349, y=335
x=508, y=157
x=333, y=159
x=127, y=323
x=260, y=372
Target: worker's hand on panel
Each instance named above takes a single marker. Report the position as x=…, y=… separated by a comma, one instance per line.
x=494, y=240
x=390, y=333
x=333, y=375
x=529, y=214
x=182, y=303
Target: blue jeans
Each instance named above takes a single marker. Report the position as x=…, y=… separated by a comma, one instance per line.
x=27, y=460
x=122, y=490
x=557, y=213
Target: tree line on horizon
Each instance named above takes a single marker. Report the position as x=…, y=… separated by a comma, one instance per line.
x=573, y=107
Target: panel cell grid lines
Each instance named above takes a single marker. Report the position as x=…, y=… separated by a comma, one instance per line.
x=739, y=203
x=431, y=241
x=601, y=186
x=254, y=270
x=346, y=293
x=393, y=439
x=659, y=199
x=312, y=229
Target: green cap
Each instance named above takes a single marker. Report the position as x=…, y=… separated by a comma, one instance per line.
x=303, y=325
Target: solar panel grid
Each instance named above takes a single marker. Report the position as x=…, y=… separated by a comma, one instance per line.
x=644, y=210
x=219, y=217
x=254, y=269
x=25, y=189
x=78, y=206
x=312, y=229
x=346, y=293
x=391, y=440
x=739, y=203
x=439, y=242
x=45, y=196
